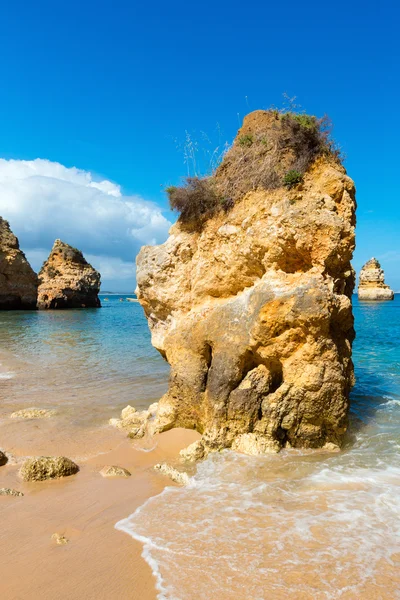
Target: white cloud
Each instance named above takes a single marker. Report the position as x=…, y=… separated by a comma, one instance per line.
x=44, y=200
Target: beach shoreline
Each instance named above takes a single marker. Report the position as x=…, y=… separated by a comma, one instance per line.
x=98, y=561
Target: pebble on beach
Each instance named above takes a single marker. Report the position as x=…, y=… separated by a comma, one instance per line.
x=59, y=539
x=114, y=471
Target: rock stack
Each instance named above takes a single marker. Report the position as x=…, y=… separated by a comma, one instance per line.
x=18, y=281
x=253, y=311
x=372, y=282
x=67, y=280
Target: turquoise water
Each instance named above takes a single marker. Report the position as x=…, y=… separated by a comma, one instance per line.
x=94, y=361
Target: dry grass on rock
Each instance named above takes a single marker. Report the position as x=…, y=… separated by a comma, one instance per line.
x=271, y=150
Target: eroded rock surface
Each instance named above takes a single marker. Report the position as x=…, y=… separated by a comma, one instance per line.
x=254, y=315
x=3, y=458
x=41, y=468
x=18, y=281
x=372, y=282
x=67, y=280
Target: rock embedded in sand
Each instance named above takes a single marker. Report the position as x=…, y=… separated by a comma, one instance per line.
x=10, y=492
x=3, y=458
x=135, y=422
x=114, y=471
x=59, y=539
x=172, y=473
x=41, y=468
x=32, y=413
x=372, y=282
x=67, y=280
x=18, y=281
x=253, y=312
x=196, y=451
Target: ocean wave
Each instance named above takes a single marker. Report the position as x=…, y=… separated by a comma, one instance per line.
x=280, y=527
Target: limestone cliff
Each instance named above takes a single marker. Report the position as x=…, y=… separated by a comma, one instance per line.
x=253, y=313
x=18, y=282
x=67, y=280
x=372, y=282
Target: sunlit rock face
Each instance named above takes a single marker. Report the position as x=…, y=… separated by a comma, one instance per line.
x=18, y=281
x=67, y=280
x=254, y=315
x=372, y=282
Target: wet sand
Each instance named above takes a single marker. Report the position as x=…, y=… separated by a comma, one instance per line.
x=98, y=562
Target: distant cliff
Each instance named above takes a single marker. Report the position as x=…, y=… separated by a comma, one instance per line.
x=249, y=299
x=18, y=281
x=372, y=282
x=67, y=280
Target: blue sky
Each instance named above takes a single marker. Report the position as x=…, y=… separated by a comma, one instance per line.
x=108, y=88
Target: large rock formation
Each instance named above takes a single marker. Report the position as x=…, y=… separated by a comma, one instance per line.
x=18, y=282
x=67, y=280
x=253, y=313
x=372, y=282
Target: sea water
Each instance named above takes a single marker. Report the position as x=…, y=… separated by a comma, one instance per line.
x=299, y=524
x=86, y=363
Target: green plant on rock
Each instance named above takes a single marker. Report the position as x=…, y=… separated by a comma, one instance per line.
x=246, y=140
x=292, y=178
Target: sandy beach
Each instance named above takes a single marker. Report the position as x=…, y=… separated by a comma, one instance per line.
x=98, y=561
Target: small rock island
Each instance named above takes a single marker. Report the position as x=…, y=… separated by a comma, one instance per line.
x=67, y=280
x=249, y=299
x=18, y=281
x=372, y=283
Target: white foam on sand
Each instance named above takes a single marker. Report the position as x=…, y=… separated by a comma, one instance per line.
x=6, y=374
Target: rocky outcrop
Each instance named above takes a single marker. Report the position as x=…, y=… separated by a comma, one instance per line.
x=41, y=468
x=253, y=312
x=18, y=281
x=67, y=280
x=372, y=282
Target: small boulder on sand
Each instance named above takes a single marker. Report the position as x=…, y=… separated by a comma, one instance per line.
x=135, y=422
x=172, y=473
x=32, y=413
x=3, y=458
x=114, y=471
x=10, y=492
x=59, y=539
x=40, y=468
